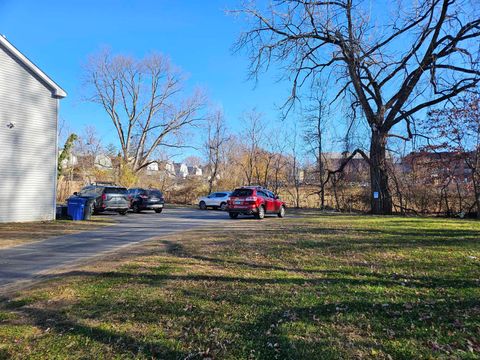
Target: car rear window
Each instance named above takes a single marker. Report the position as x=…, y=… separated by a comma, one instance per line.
x=115, y=190
x=261, y=193
x=155, y=193
x=242, y=192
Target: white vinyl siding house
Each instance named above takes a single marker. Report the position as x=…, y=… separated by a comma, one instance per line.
x=28, y=138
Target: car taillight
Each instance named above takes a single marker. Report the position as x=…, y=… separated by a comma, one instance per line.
x=251, y=199
x=104, y=196
x=144, y=196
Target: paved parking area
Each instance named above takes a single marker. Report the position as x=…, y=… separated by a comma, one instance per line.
x=25, y=262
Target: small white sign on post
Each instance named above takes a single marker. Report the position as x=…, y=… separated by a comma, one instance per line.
x=375, y=195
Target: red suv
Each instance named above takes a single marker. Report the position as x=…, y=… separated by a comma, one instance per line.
x=254, y=200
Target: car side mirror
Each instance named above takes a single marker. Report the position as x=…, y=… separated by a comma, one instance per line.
x=75, y=193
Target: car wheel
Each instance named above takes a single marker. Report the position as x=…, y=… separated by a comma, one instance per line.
x=281, y=213
x=233, y=215
x=123, y=212
x=202, y=205
x=223, y=206
x=136, y=208
x=158, y=211
x=261, y=213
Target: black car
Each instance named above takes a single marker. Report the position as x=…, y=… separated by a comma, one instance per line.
x=143, y=199
x=106, y=198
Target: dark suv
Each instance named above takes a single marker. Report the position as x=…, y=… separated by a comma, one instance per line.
x=106, y=198
x=143, y=199
x=254, y=200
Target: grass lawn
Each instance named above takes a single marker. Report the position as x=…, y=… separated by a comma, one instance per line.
x=12, y=234
x=319, y=287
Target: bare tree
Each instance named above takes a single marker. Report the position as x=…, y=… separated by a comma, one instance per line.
x=87, y=147
x=217, y=138
x=390, y=67
x=193, y=160
x=457, y=129
x=277, y=175
x=145, y=101
x=251, y=137
x=314, y=137
x=233, y=170
x=295, y=171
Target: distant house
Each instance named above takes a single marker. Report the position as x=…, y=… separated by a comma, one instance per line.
x=438, y=167
x=178, y=171
x=152, y=167
x=103, y=162
x=170, y=169
x=69, y=162
x=181, y=170
x=194, y=171
x=29, y=102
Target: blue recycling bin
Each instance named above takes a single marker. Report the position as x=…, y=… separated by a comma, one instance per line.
x=75, y=207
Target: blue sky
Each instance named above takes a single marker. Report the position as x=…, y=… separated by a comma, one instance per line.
x=59, y=35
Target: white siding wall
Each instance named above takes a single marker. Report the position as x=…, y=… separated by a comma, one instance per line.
x=28, y=150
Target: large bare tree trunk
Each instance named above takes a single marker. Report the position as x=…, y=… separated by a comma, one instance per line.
x=381, y=199
x=477, y=201
x=475, y=167
x=477, y=195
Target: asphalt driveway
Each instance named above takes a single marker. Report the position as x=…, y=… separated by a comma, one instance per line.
x=25, y=262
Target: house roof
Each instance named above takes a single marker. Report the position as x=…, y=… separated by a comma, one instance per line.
x=339, y=155
x=57, y=91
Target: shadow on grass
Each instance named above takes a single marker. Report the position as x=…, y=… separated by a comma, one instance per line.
x=259, y=332
x=344, y=278
x=336, y=276
x=60, y=323
x=57, y=321
x=413, y=324
x=360, y=238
